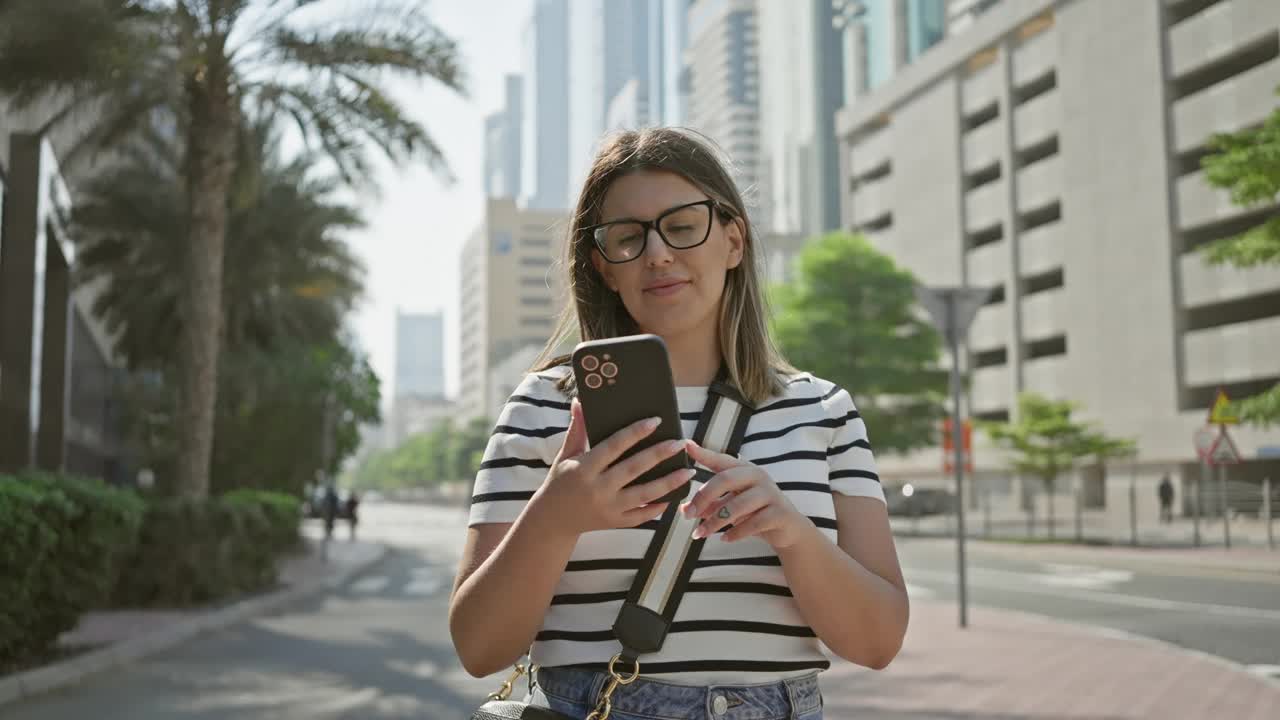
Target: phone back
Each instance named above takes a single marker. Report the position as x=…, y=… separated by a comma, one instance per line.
x=625, y=379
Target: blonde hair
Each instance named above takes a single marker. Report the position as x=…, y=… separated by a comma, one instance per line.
x=752, y=360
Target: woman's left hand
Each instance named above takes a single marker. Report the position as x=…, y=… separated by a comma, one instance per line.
x=755, y=503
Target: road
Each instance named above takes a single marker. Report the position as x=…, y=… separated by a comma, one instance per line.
x=379, y=648
x=1231, y=614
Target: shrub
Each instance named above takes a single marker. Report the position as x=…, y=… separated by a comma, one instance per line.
x=62, y=541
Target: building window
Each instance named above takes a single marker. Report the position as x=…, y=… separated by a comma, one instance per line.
x=926, y=25
x=527, y=281
x=535, y=261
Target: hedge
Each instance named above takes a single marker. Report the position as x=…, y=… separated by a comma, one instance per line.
x=193, y=552
x=62, y=541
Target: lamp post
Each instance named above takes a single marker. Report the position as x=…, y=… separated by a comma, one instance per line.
x=952, y=310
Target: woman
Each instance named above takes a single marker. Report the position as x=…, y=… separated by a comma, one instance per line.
x=552, y=544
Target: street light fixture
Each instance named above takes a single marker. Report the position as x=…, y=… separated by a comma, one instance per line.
x=952, y=310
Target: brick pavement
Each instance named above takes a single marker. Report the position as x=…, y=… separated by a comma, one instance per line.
x=1014, y=665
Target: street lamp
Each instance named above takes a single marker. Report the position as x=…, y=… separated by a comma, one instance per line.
x=952, y=310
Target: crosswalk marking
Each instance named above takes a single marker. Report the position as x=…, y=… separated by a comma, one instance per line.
x=918, y=592
x=370, y=585
x=423, y=586
x=1270, y=671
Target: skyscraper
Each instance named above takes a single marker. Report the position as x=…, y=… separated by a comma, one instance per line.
x=502, y=141
x=545, y=141
x=724, y=103
x=613, y=49
x=419, y=367
x=800, y=91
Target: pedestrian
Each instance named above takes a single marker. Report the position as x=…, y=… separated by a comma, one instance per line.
x=329, y=508
x=1166, y=499
x=352, y=511
x=798, y=548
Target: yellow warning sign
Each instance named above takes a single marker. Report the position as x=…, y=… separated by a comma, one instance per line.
x=1219, y=414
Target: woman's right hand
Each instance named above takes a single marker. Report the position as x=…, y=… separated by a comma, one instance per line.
x=582, y=493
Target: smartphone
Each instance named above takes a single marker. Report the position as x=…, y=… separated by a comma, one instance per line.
x=626, y=379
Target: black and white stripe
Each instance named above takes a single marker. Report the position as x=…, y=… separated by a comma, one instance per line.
x=737, y=621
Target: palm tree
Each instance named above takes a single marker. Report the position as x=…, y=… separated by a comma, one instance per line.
x=289, y=276
x=290, y=281
x=200, y=63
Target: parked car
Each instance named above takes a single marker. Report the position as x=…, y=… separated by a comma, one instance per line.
x=911, y=501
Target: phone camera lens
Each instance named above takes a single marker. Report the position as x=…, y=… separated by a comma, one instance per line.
x=590, y=363
x=593, y=381
x=609, y=370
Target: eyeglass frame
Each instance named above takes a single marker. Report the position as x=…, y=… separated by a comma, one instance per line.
x=713, y=206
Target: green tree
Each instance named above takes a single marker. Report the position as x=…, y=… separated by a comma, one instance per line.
x=276, y=409
x=1247, y=164
x=850, y=317
x=199, y=63
x=1045, y=442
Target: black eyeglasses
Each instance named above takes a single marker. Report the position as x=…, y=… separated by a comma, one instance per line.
x=682, y=227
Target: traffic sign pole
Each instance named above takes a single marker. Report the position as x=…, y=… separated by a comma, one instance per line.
x=1226, y=516
x=952, y=311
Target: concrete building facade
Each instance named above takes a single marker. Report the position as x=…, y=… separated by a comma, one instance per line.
x=544, y=143
x=60, y=379
x=511, y=294
x=1051, y=151
x=722, y=60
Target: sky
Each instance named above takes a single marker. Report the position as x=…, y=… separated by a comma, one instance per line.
x=416, y=226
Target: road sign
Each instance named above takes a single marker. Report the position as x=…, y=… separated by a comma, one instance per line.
x=953, y=308
x=1219, y=414
x=1224, y=451
x=1204, y=439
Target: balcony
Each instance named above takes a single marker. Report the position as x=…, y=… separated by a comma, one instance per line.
x=1046, y=376
x=1034, y=57
x=991, y=328
x=1040, y=184
x=1199, y=204
x=980, y=89
x=1037, y=120
x=871, y=153
x=871, y=201
x=1043, y=314
x=1041, y=249
x=1241, y=101
x=1216, y=32
x=992, y=389
x=983, y=146
x=985, y=206
x=1203, y=285
x=1233, y=353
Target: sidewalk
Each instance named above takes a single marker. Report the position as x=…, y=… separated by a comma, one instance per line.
x=1013, y=665
x=122, y=636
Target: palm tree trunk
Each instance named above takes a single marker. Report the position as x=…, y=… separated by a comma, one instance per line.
x=210, y=154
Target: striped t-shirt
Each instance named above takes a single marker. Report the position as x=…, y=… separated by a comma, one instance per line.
x=738, y=621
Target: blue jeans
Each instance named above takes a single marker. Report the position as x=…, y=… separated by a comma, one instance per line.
x=575, y=692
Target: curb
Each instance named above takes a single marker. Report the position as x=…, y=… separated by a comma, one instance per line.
x=69, y=672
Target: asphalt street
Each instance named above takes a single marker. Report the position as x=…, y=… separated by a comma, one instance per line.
x=379, y=647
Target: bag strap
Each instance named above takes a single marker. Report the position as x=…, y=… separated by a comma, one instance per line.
x=645, y=617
